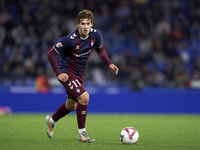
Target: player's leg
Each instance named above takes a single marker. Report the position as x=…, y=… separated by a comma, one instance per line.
x=62, y=110
x=71, y=105
x=74, y=86
x=81, y=112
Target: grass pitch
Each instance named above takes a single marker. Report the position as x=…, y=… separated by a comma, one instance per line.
x=157, y=132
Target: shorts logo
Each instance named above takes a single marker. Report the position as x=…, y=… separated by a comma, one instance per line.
x=59, y=44
x=70, y=85
x=78, y=90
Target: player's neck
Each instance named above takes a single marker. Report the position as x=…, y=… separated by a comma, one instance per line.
x=82, y=36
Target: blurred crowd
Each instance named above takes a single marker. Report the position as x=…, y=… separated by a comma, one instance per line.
x=155, y=43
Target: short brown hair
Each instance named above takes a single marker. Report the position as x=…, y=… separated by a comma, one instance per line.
x=85, y=14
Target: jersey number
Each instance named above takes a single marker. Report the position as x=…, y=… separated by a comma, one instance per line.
x=73, y=83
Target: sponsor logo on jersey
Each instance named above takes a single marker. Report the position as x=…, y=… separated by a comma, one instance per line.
x=79, y=55
x=59, y=44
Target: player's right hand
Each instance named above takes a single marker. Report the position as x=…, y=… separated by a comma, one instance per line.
x=63, y=77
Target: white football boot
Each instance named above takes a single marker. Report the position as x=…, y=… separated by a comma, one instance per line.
x=50, y=126
x=83, y=137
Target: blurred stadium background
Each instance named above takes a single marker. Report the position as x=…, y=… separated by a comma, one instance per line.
x=155, y=43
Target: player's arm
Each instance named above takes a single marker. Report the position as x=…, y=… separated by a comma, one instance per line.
x=53, y=61
x=103, y=55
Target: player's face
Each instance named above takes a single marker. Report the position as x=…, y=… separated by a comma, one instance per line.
x=84, y=27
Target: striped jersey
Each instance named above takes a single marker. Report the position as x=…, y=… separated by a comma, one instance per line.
x=74, y=51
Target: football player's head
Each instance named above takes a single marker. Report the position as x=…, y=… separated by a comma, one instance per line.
x=85, y=14
x=84, y=20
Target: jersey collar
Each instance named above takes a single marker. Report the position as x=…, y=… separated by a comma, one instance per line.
x=84, y=38
x=81, y=37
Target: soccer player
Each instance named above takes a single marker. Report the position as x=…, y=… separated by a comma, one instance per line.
x=75, y=49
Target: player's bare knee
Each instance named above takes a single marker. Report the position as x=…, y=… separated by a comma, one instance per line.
x=84, y=99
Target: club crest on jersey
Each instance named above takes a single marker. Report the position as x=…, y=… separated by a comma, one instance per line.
x=92, y=43
x=59, y=44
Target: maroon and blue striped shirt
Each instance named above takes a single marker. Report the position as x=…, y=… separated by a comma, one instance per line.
x=74, y=52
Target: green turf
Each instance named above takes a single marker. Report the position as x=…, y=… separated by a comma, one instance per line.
x=157, y=132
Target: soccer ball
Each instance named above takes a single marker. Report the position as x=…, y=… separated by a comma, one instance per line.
x=129, y=135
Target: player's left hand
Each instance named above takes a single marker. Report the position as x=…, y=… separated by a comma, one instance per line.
x=114, y=67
